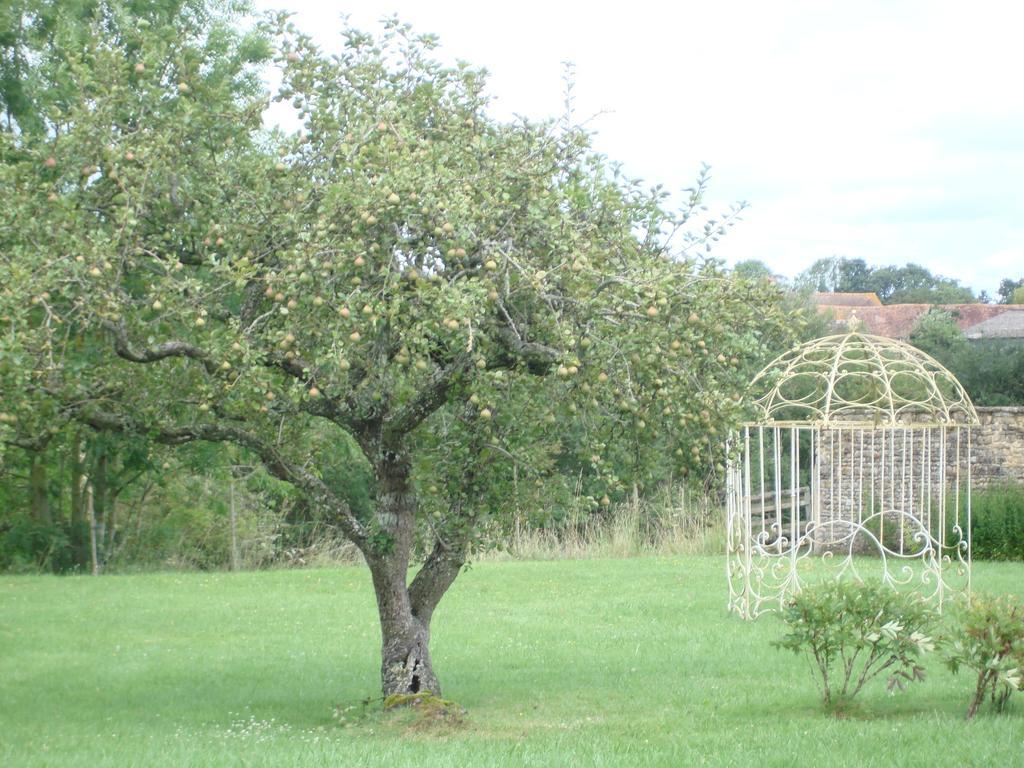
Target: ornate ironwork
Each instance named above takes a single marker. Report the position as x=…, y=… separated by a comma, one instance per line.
x=859, y=462
x=857, y=378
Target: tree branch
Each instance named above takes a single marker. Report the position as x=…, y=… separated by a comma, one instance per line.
x=445, y=561
x=275, y=462
x=431, y=397
x=433, y=579
x=31, y=444
x=538, y=357
x=336, y=409
x=124, y=349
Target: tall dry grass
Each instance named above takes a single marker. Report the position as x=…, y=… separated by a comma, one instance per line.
x=673, y=522
x=676, y=521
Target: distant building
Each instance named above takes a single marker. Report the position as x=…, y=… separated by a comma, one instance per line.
x=1005, y=325
x=897, y=321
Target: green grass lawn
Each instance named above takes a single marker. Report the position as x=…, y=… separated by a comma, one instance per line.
x=589, y=662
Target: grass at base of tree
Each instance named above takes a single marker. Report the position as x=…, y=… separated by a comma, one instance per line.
x=630, y=662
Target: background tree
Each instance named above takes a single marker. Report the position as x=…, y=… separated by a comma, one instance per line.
x=77, y=525
x=913, y=284
x=991, y=370
x=1010, y=291
x=837, y=275
x=909, y=284
x=452, y=294
x=937, y=333
x=753, y=269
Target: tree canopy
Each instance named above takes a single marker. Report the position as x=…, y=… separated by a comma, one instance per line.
x=991, y=370
x=1011, y=291
x=909, y=284
x=464, y=299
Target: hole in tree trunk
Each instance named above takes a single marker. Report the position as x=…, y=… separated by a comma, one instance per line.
x=414, y=684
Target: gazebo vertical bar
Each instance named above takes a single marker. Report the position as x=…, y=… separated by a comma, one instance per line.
x=880, y=414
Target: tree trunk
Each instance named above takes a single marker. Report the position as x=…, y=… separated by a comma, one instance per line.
x=234, y=527
x=405, y=637
x=406, y=666
x=79, y=524
x=40, y=501
x=90, y=508
x=98, y=496
x=111, y=509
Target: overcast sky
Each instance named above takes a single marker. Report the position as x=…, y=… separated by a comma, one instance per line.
x=889, y=131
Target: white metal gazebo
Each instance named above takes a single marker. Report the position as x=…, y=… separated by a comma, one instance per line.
x=858, y=463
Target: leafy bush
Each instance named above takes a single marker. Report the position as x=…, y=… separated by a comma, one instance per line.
x=989, y=639
x=27, y=544
x=997, y=523
x=853, y=632
x=991, y=370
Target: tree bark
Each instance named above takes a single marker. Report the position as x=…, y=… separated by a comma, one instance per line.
x=406, y=666
x=79, y=524
x=405, y=614
x=40, y=501
x=98, y=481
x=110, y=506
x=234, y=528
x=94, y=554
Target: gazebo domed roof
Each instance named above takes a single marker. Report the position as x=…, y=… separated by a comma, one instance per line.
x=859, y=379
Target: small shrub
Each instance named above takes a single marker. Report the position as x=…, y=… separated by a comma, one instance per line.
x=853, y=632
x=989, y=639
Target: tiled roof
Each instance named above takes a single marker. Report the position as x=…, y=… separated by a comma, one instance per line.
x=1006, y=325
x=977, y=321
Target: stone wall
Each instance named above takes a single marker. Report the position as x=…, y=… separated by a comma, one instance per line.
x=997, y=452
x=913, y=473
x=903, y=470
x=890, y=472
x=996, y=449
x=892, y=481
